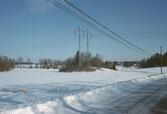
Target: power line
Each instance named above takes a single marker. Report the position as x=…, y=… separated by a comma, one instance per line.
x=75, y=15
x=144, y=33
x=72, y=13
x=106, y=28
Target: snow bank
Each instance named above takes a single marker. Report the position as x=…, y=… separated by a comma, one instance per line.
x=45, y=108
x=106, y=99
x=153, y=70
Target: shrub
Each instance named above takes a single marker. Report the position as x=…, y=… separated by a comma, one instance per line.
x=6, y=64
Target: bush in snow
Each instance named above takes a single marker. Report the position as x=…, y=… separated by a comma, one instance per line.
x=82, y=62
x=6, y=64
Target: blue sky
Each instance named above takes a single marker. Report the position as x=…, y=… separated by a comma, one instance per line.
x=37, y=29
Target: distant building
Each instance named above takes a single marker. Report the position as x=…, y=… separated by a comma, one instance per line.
x=26, y=65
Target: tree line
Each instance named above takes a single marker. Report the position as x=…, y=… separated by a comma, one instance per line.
x=82, y=61
x=79, y=62
x=154, y=61
x=49, y=63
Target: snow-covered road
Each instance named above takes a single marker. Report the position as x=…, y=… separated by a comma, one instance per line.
x=100, y=92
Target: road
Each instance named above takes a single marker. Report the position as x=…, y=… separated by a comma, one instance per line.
x=131, y=97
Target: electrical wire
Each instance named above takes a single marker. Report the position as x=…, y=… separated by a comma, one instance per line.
x=72, y=13
x=106, y=28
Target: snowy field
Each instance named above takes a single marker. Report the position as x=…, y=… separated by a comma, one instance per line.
x=39, y=91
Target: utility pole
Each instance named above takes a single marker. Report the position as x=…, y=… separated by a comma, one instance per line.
x=79, y=46
x=161, y=57
x=79, y=39
x=78, y=34
x=87, y=38
x=88, y=35
x=83, y=33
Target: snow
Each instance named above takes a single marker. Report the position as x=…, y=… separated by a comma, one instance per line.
x=43, y=76
x=36, y=91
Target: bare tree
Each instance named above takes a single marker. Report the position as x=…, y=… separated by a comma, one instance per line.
x=6, y=63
